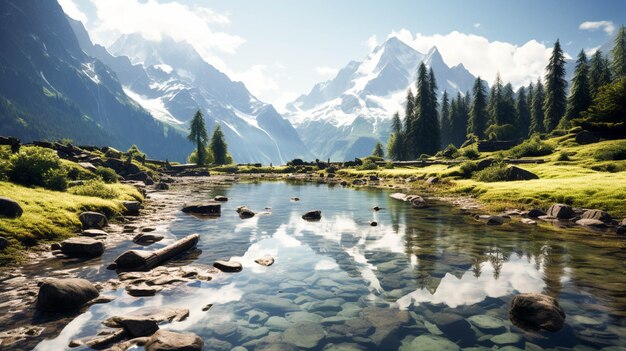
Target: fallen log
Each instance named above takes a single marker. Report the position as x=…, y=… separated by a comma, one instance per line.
x=136, y=260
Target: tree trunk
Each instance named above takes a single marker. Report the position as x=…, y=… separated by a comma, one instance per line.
x=136, y=260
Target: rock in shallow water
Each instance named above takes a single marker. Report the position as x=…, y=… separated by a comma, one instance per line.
x=315, y=215
x=145, y=321
x=93, y=220
x=265, y=261
x=433, y=343
x=164, y=340
x=82, y=247
x=306, y=335
x=68, y=294
x=245, y=212
x=561, y=211
x=208, y=209
x=536, y=311
x=228, y=266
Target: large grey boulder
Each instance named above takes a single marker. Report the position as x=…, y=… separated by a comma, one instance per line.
x=91, y=220
x=561, y=211
x=67, y=294
x=536, y=311
x=164, y=340
x=82, y=246
x=10, y=208
x=228, y=266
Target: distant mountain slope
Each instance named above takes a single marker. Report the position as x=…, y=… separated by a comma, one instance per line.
x=172, y=81
x=344, y=117
x=50, y=89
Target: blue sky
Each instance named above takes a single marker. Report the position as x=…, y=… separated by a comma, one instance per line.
x=281, y=48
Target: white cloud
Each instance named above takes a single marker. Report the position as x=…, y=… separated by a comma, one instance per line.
x=71, y=9
x=517, y=64
x=477, y=25
x=606, y=26
x=153, y=20
x=372, y=42
x=326, y=71
x=281, y=102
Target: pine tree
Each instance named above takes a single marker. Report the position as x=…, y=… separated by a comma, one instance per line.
x=555, y=99
x=599, y=73
x=445, y=120
x=432, y=121
x=618, y=54
x=378, y=150
x=508, y=111
x=523, y=113
x=536, y=109
x=580, y=97
x=394, y=149
x=422, y=109
x=218, y=147
x=458, y=119
x=198, y=135
x=478, y=117
x=407, y=139
x=494, y=105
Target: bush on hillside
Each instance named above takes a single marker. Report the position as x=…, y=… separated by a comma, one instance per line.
x=501, y=132
x=531, y=147
x=107, y=174
x=611, y=154
x=449, y=152
x=470, y=153
x=55, y=179
x=95, y=188
x=367, y=165
x=498, y=172
x=33, y=165
x=467, y=169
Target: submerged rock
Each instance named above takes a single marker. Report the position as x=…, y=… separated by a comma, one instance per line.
x=487, y=324
x=315, y=215
x=430, y=342
x=536, y=311
x=306, y=335
x=265, y=261
x=164, y=340
x=561, y=211
x=82, y=247
x=56, y=295
x=10, y=208
x=209, y=209
x=228, y=266
x=91, y=220
x=145, y=321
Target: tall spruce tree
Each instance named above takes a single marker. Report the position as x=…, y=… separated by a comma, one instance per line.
x=378, y=150
x=579, y=98
x=494, y=105
x=198, y=135
x=599, y=73
x=422, y=109
x=536, y=109
x=394, y=144
x=408, y=137
x=509, y=113
x=618, y=54
x=445, y=120
x=432, y=118
x=218, y=147
x=555, y=99
x=523, y=113
x=459, y=109
x=478, y=117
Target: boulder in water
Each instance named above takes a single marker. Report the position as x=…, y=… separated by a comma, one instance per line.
x=314, y=215
x=536, y=311
x=561, y=211
x=164, y=340
x=82, y=247
x=91, y=220
x=56, y=295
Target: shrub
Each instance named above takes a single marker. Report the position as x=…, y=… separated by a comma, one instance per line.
x=331, y=169
x=468, y=168
x=531, y=147
x=498, y=172
x=208, y=157
x=55, y=179
x=563, y=156
x=389, y=165
x=450, y=152
x=373, y=159
x=95, y=188
x=501, y=132
x=107, y=174
x=31, y=165
x=296, y=162
x=367, y=165
x=135, y=152
x=610, y=154
x=470, y=152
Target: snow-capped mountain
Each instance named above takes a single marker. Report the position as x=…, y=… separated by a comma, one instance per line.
x=344, y=117
x=172, y=81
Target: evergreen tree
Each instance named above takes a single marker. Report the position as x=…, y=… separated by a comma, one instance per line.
x=478, y=117
x=422, y=109
x=458, y=119
x=508, y=110
x=218, y=147
x=555, y=99
x=618, y=54
x=495, y=104
x=536, y=109
x=394, y=147
x=580, y=97
x=523, y=113
x=445, y=120
x=407, y=139
x=433, y=127
x=378, y=150
x=599, y=73
x=198, y=135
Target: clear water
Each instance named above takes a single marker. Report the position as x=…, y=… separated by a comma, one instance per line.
x=341, y=284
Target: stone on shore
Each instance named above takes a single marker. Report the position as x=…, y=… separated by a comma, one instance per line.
x=147, y=238
x=315, y=215
x=591, y=222
x=131, y=207
x=164, y=340
x=220, y=198
x=93, y=220
x=228, y=266
x=535, y=213
x=10, y=208
x=561, y=211
x=536, y=311
x=597, y=214
x=161, y=186
x=82, y=247
x=93, y=233
x=57, y=295
x=210, y=209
